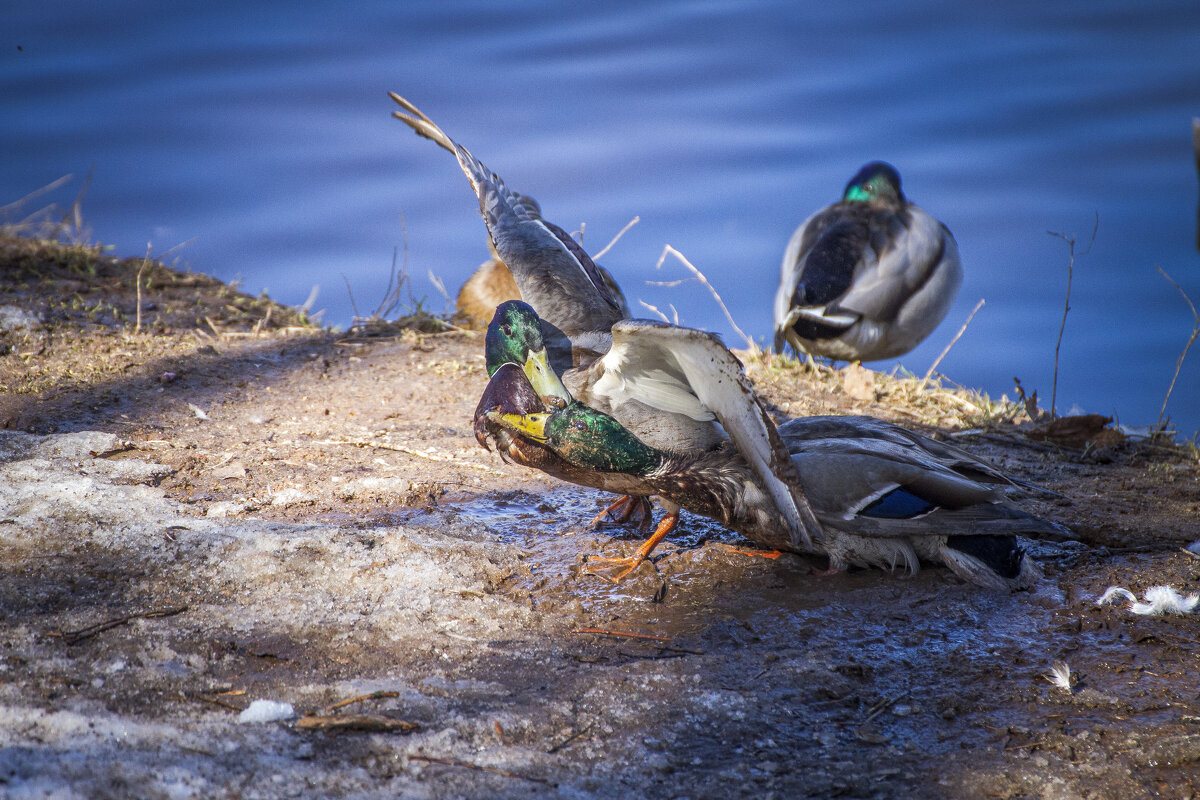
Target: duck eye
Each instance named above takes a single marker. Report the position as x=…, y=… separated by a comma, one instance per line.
x=507, y=329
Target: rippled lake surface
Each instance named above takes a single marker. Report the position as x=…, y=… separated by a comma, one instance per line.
x=256, y=142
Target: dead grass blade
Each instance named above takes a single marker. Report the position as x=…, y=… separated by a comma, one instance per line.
x=616, y=238
x=1070, y=240
x=368, y=723
x=453, y=762
x=1191, y=340
x=751, y=345
x=957, y=336
x=360, y=698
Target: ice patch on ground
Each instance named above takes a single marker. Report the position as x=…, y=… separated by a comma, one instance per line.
x=284, y=586
x=266, y=711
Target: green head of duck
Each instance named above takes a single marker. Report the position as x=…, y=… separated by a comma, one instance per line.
x=878, y=181
x=585, y=437
x=514, y=336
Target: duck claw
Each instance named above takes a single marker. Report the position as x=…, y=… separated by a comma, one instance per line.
x=625, y=509
x=599, y=567
x=630, y=563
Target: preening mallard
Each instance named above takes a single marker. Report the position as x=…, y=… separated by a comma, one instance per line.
x=885, y=496
x=645, y=375
x=867, y=278
x=492, y=283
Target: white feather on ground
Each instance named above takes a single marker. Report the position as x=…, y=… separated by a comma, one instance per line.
x=1159, y=600
x=1060, y=675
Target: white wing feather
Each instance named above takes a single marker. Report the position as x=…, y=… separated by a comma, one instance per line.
x=690, y=371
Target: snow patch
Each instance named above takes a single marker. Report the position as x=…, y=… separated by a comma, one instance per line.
x=266, y=711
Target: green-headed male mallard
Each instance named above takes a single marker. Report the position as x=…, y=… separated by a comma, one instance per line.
x=885, y=496
x=867, y=278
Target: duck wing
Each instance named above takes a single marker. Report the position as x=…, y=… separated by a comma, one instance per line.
x=818, y=266
x=907, y=248
x=873, y=478
x=555, y=275
x=689, y=377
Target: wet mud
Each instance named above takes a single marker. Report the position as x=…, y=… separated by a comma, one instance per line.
x=328, y=530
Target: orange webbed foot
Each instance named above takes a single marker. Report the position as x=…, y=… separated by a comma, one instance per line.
x=601, y=566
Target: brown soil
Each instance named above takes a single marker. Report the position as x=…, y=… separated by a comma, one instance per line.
x=748, y=677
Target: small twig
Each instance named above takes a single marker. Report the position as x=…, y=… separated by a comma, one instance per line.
x=625, y=634
x=570, y=739
x=452, y=762
x=359, y=699
x=957, y=336
x=215, y=701
x=620, y=233
x=1191, y=340
x=668, y=250
x=883, y=705
x=74, y=637
x=1070, y=240
x=654, y=309
x=137, y=328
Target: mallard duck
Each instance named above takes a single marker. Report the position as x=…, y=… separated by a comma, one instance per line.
x=885, y=496
x=679, y=388
x=867, y=278
x=492, y=283
x=553, y=272
x=647, y=381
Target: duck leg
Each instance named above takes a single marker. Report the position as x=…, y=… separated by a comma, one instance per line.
x=600, y=566
x=627, y=508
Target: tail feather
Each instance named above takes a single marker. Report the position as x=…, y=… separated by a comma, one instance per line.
x=997, y=562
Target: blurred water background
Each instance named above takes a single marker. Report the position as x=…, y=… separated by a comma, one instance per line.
x=254, y=141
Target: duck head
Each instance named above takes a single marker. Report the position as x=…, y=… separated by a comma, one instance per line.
x=514, y=336
x=508, y=392
x=585, y=438
x=878, y=181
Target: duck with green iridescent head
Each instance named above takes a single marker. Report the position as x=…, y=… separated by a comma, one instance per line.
x=885, y=497
x=866, y=278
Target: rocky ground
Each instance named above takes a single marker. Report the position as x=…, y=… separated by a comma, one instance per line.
x=214, y=502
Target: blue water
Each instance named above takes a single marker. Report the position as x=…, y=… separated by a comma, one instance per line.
x=258, y=143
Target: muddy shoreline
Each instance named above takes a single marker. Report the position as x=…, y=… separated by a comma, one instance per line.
x=314, y=512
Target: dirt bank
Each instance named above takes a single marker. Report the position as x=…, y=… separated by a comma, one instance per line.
x=266, y=510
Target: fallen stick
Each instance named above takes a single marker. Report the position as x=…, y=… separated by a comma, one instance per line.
x=360, y=698
x=74, y=637
x=626, y=634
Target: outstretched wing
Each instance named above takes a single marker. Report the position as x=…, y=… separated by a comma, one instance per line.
x=553, y=272
x=691, y=373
